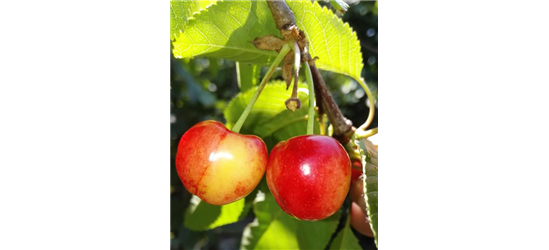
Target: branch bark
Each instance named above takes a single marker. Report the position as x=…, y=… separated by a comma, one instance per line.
x=283, y=16
x=340, y=124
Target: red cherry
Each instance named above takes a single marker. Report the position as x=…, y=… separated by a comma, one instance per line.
x=219, y=165
x=309, y=176
x=355, y=172
x=359, y=220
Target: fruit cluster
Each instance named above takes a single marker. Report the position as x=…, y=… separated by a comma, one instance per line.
x=309, y=175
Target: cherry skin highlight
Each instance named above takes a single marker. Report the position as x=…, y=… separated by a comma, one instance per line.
x=309, y=176
x=218, y=165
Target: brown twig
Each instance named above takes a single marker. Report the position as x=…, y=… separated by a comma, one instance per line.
x=282, y=14
x=341, y=125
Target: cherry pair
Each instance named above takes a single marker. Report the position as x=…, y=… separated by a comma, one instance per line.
x=309, y=175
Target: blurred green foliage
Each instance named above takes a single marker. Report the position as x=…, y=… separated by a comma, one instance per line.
x=201, y=89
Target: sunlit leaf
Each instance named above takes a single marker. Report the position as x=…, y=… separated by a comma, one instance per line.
x=369, y=164
x=269, y=105
x=274, y=229
x=345, y=239
x=181, y=11
x=332, y=40
x=202, y=216
x=225, y=30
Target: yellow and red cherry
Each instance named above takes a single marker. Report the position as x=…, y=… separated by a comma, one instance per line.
x=218, y=165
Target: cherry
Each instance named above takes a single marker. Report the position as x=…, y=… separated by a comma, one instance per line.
x=359, y=217
x=355, y=173
x=309, y=176
x=218, y=165
x=360, y=221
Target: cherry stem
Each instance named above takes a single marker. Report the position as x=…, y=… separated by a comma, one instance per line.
x=293, y=102
x=360, y=134
x=297, y=61
x=364, y=126
x=311, y=121
x=238, y=125
x=340, y=125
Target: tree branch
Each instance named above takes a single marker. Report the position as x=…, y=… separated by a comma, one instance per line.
x=340, y=124
x=285, y=21
x=282, y=14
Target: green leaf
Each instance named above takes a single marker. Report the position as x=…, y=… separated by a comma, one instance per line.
x=202, y=216
x=340, y=5
x=247, y=75
x=272, y=220
x=369, y=164
x=332, y=40
x=282, y=120
x=181, y=11
x=274, y=229
x=269, y=105
x=345, y=239
x=316, y=235
x=282, y=226
x=226, y=30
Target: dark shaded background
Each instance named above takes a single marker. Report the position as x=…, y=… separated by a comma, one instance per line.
x=201, y=88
